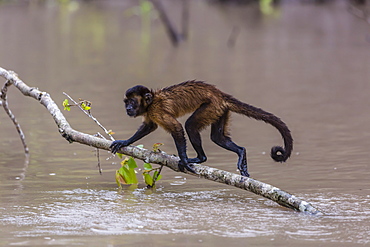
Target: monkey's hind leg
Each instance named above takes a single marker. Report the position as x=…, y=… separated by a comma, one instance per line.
x=171, y=125
x=220, y=136
x=195, y=123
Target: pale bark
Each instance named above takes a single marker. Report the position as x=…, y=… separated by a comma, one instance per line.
x=268, y=191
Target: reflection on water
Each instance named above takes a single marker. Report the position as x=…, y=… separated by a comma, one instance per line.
x=307, y=63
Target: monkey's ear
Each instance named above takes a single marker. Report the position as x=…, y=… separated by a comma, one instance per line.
x=148, y=98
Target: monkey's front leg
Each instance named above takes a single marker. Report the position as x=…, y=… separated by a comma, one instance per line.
x=144, y=130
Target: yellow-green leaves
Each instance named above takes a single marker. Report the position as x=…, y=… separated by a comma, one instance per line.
x=84, y=104
x=147, y=167
x=156, y=147
x=151, y=179
x=148, y=179
x=126, y=174
x=66, y=105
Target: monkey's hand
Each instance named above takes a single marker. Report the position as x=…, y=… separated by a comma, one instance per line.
x=116, y=145
x=184, y=165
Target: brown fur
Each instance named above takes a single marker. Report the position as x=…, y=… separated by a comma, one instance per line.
x=209, y=106
x=177, y=100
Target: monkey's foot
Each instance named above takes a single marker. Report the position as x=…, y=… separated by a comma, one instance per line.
x=242, y=166
x=187, y=167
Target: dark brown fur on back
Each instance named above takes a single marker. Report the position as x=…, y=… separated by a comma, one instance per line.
x=186, y=97
x=208, y=106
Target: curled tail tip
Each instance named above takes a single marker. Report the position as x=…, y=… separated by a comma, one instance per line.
x=279, y=154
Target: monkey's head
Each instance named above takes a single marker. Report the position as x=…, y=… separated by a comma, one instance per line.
x=137, y=100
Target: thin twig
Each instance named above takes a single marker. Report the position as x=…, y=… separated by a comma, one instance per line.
x=98, y=156
x=90, y=116
x=97, y=153
x=4, y=103
x=155, y=177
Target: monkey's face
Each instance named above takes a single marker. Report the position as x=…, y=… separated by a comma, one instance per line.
x=137, y=100
x=132, y=106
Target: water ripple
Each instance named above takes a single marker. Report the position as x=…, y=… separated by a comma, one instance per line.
x=219, y=212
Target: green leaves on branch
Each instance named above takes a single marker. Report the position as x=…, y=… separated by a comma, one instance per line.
x=127, y=174
x=151, y=179
x=84, y=104
x=66, y=105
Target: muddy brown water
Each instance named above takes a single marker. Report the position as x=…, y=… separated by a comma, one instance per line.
x=309, y=64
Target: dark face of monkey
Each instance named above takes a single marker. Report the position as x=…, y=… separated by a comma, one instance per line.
x=132, y=106
x=137, y=100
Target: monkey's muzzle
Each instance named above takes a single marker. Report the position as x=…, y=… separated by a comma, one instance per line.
x=131, y=112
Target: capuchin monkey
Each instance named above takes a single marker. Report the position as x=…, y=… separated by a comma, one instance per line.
x=209, y=106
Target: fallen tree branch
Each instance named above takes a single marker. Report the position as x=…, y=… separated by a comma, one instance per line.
x=268, y=191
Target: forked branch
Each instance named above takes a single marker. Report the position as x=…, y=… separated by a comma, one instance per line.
x=4, y=104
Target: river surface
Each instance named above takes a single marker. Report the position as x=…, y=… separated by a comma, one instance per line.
x=307, y=63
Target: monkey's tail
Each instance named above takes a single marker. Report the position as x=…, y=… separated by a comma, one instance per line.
x=278, y=153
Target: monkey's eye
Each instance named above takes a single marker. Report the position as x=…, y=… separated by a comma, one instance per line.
x=128, y=101
x=131, y=102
